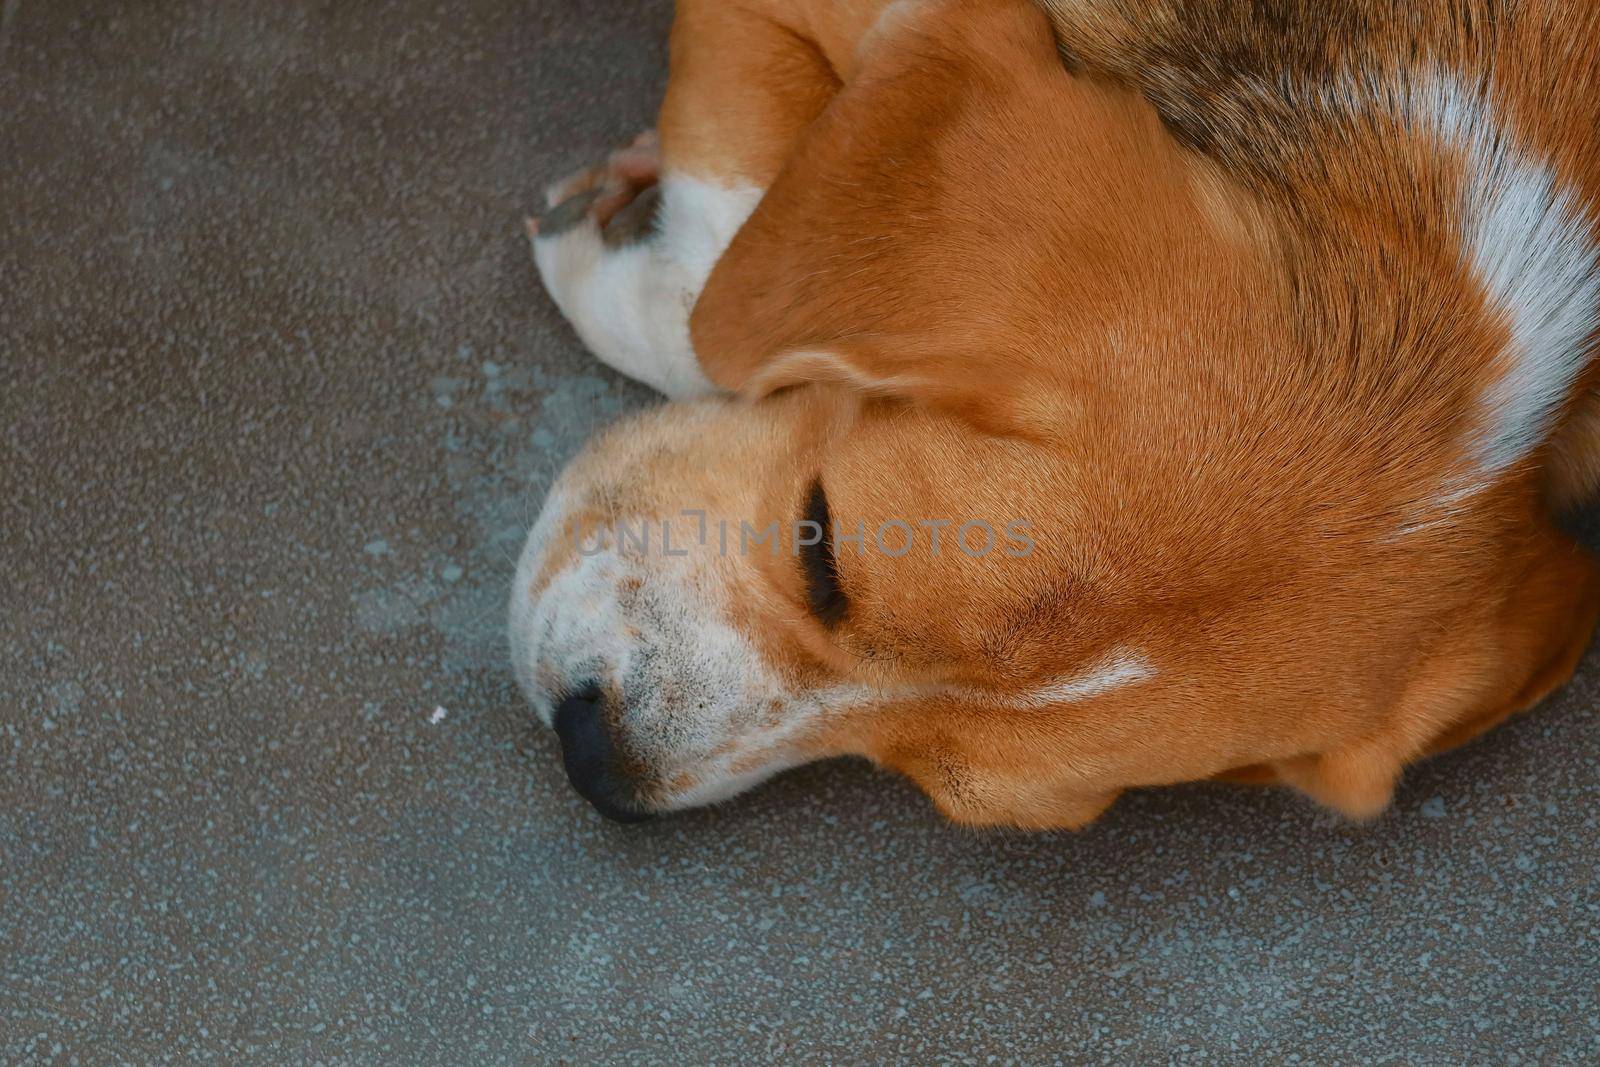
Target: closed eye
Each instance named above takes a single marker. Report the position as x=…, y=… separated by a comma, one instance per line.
x=818, y=563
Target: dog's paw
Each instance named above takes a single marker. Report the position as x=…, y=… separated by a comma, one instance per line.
x=625, y=287
x=619, y=196
x=624, y=249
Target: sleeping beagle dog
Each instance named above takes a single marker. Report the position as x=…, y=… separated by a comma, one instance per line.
x=1070, y=396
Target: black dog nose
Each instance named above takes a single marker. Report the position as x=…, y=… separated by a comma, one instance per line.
x=590, y=757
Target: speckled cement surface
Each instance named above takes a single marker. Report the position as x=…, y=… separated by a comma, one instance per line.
x=281, y=392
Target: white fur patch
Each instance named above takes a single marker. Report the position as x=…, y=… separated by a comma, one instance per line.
x=631, y=304
x=1528, y=242
x=698, y=702
x=1124, y=668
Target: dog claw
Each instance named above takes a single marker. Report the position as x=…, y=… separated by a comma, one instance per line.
x=567, y=214
x=619, y=195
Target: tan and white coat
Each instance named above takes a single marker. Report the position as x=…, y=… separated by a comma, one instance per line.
x=1273, y=321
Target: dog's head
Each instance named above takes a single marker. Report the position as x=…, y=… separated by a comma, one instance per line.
x=1167, y=482
x=719, y=590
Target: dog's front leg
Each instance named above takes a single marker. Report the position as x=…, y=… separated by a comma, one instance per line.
x=624, y=248
x=625, y=262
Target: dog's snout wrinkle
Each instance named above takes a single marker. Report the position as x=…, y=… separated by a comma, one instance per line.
x=590, y=756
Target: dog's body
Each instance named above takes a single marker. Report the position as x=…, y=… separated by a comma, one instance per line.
x=1271, y=321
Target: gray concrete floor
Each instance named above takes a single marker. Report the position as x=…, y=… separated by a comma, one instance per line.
x=281, y=393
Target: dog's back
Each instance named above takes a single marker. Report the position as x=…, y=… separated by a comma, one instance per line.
x=1381, y=128
x=1265, y=86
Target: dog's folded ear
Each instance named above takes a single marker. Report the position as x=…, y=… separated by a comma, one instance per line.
x=1516, y=641
x=956, y=222
x=1516, y=647
x=776, y=313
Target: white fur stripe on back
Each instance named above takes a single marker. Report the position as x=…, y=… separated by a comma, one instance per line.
x=1530, y=245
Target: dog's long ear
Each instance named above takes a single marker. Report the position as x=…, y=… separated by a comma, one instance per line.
x=1516, y=641
x=963, y=214
x=1525, y=643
